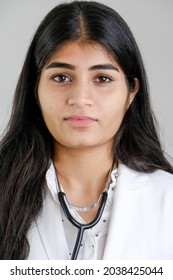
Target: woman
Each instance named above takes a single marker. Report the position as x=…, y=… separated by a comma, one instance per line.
x=82, y=129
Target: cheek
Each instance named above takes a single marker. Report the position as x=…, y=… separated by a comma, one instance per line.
x=45, y=107
x=52, y=111
x=48, y=110
x=114, y=114
x=47, y=102
x=116, y=108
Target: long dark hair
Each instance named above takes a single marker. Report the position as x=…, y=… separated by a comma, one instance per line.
x=27, y=147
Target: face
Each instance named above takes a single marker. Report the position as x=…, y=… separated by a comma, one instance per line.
x=83, y=96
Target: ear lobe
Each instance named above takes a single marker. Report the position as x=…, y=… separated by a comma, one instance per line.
x=133, y=91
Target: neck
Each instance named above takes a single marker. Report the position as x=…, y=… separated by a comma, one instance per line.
x=83, y=170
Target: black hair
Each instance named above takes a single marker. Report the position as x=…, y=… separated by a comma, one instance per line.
x=27, y=146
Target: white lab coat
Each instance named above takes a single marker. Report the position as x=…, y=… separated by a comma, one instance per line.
x=141, y=225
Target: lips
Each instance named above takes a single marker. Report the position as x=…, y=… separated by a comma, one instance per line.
x=80, y=121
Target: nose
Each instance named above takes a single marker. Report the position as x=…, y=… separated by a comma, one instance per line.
x=81, y=96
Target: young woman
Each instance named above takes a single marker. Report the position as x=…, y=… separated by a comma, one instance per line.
x=81, y=154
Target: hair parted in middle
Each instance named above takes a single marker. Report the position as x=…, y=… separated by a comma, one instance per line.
x=27, y=146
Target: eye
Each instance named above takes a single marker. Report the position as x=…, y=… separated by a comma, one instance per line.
x=103, y=79
x=60, y=78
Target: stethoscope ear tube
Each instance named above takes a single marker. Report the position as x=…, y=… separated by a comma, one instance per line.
x=81, y=227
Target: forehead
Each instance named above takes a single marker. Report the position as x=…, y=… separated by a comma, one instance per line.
x=77, y=52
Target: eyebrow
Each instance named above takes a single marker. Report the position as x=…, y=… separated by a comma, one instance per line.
x=106, y=66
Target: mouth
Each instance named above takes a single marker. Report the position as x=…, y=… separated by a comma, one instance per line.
x=80, y=121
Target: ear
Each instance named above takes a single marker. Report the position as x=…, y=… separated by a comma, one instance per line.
x=133, y=92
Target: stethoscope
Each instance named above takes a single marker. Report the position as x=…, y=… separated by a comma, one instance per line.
x=80, y=226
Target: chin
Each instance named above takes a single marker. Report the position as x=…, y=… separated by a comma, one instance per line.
x=79, y=144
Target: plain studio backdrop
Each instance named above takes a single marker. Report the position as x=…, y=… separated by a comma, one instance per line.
x=151, y=22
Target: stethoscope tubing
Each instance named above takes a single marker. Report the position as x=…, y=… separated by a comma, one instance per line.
x=81, y=227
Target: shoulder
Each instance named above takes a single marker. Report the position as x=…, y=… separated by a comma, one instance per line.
x=161, y=176
x=162, y=183
x=158, y=179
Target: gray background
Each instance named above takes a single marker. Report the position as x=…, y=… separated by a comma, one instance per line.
x=151, y=22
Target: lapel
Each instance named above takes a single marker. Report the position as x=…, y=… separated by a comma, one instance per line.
x=51, y=231
x=132, y=187
x=49, y=225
